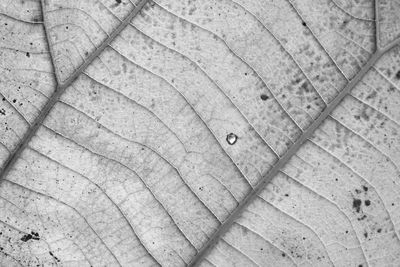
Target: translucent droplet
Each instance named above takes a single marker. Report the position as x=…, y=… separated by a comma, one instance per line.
x=231, y=138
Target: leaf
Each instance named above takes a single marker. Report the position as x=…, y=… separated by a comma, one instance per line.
x=223, y=132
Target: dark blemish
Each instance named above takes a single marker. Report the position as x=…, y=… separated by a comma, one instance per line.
x=365, y=188
x=362, y=218
x=367, y=202
x=4, y=99
x=14, y=100
x=36, y=235
x=304, y=24
x=66, y=27
x=231, y=138
x=344, y=23
x=358, y=191
x=264, y=97
x=379, y=230
x=261, y=249
x=347, y=231
x=31, y=43
x=360, y=265
x=3, y=111
x=398, y=75
x=364, y=115
x=365, y=234
x=392, y=204
x=245, y=74
x=286, y=195
x=283, y=254
x=304, y=86
x=57, y=259
x=357, y=204
x=297, y=81
x=28, y=55
x=357, y=117
x=372, y=95
x=118, y=1
x=391, y=89
x=308, y=107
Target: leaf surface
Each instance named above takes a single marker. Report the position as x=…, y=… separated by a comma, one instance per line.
x=211, y=133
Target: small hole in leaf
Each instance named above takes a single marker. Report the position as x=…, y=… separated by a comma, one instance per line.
x=231, y=138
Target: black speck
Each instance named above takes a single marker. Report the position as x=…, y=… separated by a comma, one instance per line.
x=365, y=188
x=379, y=230
x=57, y=259
x=357, y=204
x=14, y=100
x=28, y=55
x=367, y=202
x=283, y=254
x=304, y=24
x=365, y=234
x=264, y=97
x=26, y=237
x=398, y=75
x=286, y=195
x=118, y=1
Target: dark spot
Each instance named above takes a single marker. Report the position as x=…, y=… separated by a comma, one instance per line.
x=347, y=231
x=379, y=230
x=398, y=75
x=261, y=249
x=283, y=254
x=357, y=117
x=304, y=23
x=358, y=191
x=264, y=97
x=286, y=195
x=26, y=237
x=231, y=138
x=365, y=188
x=3, y=111
x=362, y=218
x=4, y=99
x=365, y=234
x=360, y=265
x=357, y=204
x=245, y=74
x=308, y=107
x=28, y=55
x=14, y=100
x=367, y=202
x=304, y=86
x=118, y=1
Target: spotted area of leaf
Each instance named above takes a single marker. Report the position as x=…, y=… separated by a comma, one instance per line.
x=76, y=28
x=26, y=72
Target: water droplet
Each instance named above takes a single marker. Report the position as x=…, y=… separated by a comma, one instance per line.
x=231, y=138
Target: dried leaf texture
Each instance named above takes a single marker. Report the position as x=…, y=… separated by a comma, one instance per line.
x=211, y=133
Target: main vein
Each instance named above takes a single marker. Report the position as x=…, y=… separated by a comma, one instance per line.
x=60, y=89
x=285, y=158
